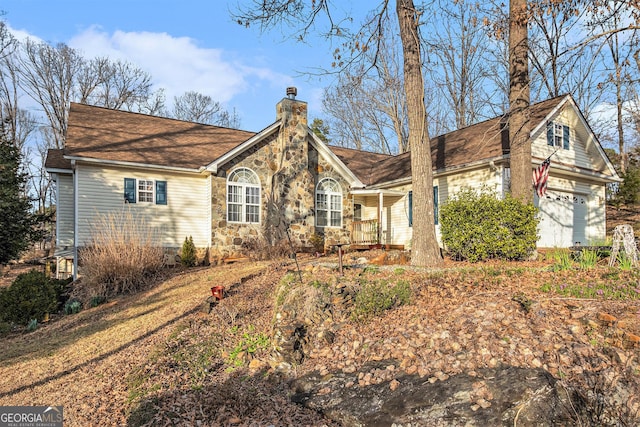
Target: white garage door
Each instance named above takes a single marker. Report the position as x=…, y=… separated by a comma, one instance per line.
x=563, y=219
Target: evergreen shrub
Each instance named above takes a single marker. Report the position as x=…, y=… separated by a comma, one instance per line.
x=476, y=225
x=30, y=296
x=188, y=255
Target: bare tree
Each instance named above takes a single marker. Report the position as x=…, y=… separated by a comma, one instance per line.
x=113, y=84
x=302, y=17
x=196, y=107
x=47, y=75
x=18, y=123
x=458, y=54
x=553, y=24
x=367, y=106
x=154, y=105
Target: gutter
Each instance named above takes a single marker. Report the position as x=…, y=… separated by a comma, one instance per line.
x=133, y=164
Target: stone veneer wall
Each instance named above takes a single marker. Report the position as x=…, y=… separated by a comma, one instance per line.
x=289, y=169
x=333, y=235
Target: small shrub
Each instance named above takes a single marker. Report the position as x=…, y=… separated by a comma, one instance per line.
x=476, y=226
x=250, y=344
x=317, y=241
x=588, y=259
x=72, y=307
x=32, y=325
x=97, y=300
x=122, y=256
x=31, y=296
x=375, y=297
x=561, y=260
x=188, y=254
x=626, y=263
x=259, y=248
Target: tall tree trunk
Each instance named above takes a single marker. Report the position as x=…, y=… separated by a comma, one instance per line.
x=519, y=125
x=425, y=250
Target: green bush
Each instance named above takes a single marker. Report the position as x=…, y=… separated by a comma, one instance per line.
x=377, y=296
x=97, y=300
x=477, y=225
x=72, y=307
x=30, y=296
x=629, y=190
x=188, y=255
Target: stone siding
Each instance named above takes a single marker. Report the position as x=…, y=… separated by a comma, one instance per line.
x=289, y=169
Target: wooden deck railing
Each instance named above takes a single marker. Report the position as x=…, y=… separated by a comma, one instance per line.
x=364, y=232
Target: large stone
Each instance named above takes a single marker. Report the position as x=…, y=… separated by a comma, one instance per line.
x=507, y=396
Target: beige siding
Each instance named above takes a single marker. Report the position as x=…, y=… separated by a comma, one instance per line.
x=396, y=224
x=583, y=151
x=187, y=212
x=64, y=211
x=449, y=185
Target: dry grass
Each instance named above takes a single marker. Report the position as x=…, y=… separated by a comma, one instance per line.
x=122, y=257
x=81, y=361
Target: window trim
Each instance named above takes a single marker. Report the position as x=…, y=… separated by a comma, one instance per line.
x=158, y=191
x=330, y=195
x=146, y=190
x=244, y=196
x=558, y=135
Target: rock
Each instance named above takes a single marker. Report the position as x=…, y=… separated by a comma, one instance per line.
x=607, y=318
x=530, y=397
x=257, y=364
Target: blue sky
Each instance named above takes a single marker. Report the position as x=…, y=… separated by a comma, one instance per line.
x=185, y=45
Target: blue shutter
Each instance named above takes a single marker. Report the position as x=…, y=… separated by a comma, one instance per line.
x=410, y=208
x=550, y=133
x=565, y=137
x=435, y=205
x=130, y=190
x=161, y=192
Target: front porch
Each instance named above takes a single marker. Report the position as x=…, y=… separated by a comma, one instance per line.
x=378, y=220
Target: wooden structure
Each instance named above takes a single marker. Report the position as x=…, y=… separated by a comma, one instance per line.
x=624, y=238
x=364, y=234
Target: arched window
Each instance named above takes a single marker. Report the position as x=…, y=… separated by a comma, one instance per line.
x=328, y=203
x=243, y=196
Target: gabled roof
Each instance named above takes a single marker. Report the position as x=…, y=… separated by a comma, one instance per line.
x=482, y=141
x=56, y=162
x=105, y=135
x=119, y=136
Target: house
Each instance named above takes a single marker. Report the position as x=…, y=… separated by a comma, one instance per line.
x=229, y=188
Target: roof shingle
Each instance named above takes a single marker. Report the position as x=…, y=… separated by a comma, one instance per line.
x=113, y=135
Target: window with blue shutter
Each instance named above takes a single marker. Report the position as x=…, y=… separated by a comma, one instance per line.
x=130, y=190
x=558, y=135
x=161, y=192
x=435, y=206
x=410, y=208
x=565, y=137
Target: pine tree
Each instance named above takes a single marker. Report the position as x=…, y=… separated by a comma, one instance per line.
x=17, y=223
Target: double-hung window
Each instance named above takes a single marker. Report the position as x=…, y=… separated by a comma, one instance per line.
x=558, y=135
x=328, y=203
x=145, y=191
x=243, y=196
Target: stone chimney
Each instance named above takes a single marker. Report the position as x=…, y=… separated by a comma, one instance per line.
x=291, y=111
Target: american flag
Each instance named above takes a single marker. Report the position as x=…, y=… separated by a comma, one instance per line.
x=540, y=176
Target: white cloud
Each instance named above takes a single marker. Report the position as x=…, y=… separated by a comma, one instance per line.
x=178, y=64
